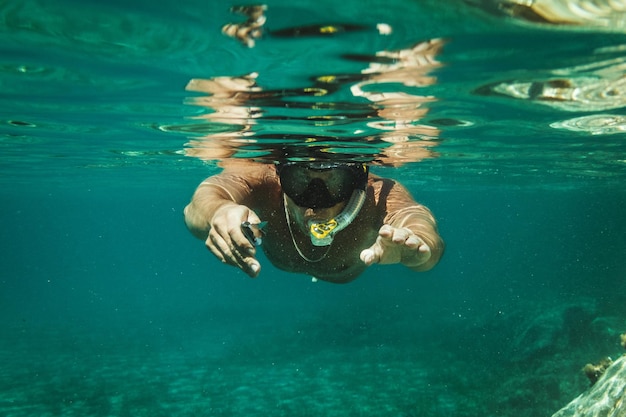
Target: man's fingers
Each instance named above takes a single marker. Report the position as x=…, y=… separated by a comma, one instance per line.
x=368, y=256
x=224, y=249
x=220, y=248
x=214, y=250
x=253, y=268
x=253, y=218
x=232, y=255
x=404, y=235
x=227, y=241
x=386, y=231
x=396, y=245
x=390, y=234
x=413, y=242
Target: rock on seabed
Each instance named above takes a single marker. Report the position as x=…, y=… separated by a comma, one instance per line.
x=606, y=398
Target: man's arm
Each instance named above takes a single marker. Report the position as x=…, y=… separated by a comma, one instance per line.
x=409, y=234
x=217, y=210
x=215, y=193
x=423, y=240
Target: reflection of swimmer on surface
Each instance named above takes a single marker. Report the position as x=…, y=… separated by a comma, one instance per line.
x=247, y=32
x=236, y=103
x=394, y=115
x=400, y=111
x=327, y=219
x=228, y=98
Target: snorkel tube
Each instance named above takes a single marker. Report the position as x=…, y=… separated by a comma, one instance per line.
x=323, y=233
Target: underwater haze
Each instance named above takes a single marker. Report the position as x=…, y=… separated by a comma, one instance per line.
x=508, y=122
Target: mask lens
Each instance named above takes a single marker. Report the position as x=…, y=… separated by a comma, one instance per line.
x=323, y=185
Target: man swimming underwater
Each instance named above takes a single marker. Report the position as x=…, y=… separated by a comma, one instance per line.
x=330, y=220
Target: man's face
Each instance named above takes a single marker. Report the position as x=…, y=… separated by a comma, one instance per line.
x=302, y=215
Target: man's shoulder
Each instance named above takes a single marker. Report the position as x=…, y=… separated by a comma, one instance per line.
x=380, y=184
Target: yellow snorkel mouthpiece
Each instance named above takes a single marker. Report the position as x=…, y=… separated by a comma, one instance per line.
x=322, y=230
x=322, y=233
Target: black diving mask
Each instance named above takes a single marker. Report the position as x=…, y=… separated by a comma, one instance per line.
x=321, y=184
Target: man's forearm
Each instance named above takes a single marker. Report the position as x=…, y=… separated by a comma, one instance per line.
x=207, y=199
x=420, y=221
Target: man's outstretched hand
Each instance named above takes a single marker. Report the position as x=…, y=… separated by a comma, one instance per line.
x=397, y=245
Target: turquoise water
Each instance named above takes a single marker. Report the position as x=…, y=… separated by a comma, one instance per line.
x=516, y=132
